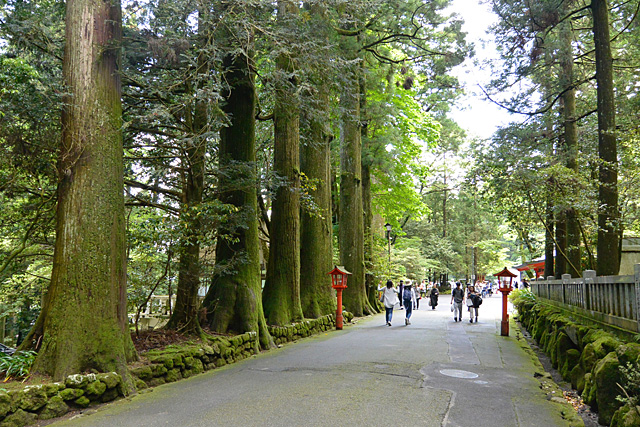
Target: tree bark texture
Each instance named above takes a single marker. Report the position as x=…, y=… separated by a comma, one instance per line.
x=234, y=300
x=184, y=317
x=574, y=253
x=371, y=289
x=84, y=319
x=281, y=294
x=351, y=221
x=316, y=249
x=608, y=262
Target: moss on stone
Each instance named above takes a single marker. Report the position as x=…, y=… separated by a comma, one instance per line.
x=626, y=416
x=577, y=378
x=19, y=418
x=628, y=353
x=5, y=403
x=70, y=393
x=109, y=395
x=110, y=379
x=570, y=359
x=95, y=389
x=173, y=375
x=140, y=384
x=82, y=401
x=143, y=372
x=32, y=398
x=607, y=377
x=55, y=407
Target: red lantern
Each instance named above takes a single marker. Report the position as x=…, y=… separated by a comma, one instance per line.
x=339, y=282
x=504, y=280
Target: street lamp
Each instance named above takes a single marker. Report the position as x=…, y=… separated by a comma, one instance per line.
x=504, y=286
x=389, y=227
x=339, y=283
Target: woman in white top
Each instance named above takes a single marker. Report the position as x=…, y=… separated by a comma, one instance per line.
x=389, y=299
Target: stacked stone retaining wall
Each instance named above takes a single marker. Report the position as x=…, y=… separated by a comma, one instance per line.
x=588, y=357
x=24, y=407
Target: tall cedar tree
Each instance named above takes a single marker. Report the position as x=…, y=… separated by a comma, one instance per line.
x=573, y=252
x=608, y=262
x=233, y=301
x=351, y=231
x=281, y=294
x=185, y=315
x=83, y=323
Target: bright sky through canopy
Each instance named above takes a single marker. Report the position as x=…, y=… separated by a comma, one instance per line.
x=479, y=116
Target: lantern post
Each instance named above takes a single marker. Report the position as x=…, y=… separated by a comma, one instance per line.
x=504, y=281
x=339, y=283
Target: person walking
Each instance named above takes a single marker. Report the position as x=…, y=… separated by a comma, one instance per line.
x=473, y=302
x=400, y=289
x=389, y=300
x=407, y=296
x=433, y=297
x=457, y=297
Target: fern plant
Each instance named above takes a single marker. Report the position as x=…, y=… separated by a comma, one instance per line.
x=17, y=365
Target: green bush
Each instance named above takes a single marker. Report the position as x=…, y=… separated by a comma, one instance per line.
x=17, y=365
x=522, y=296
x=631, y=385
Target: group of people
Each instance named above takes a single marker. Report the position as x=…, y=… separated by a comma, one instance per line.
x=471, y=300
x=408, y=297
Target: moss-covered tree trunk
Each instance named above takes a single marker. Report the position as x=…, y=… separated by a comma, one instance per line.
x=185, y=314
x=234, y=300
x=608, y=261
x=83, y=324
x=281, y=294
x=570, y=141
x=184, y=317
x=367, y=211
x=351, y=220
x=316, y=250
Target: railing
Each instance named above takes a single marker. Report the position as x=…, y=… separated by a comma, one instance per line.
x=614, y=300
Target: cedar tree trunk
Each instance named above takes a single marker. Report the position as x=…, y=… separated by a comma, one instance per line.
x=83, y=324
x=281, y=294
x=234, y=301
x=608, y=262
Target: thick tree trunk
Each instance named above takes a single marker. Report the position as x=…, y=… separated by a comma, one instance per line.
x=281, y=294
x=574, y=253
x=351, y=222
x=608, y=262
x=184, y=317
x=367, y=211
x=83, y=324
x=234, y=300
x=316, y=250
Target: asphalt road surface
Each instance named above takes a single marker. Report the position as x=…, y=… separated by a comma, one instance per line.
x=434, y=372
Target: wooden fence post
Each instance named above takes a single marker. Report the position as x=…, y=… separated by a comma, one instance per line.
x=636, y=276
x=565, y=282
x=589, y=277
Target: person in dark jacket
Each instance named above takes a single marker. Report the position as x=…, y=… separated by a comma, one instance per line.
x=433, y=297
x=400, y=289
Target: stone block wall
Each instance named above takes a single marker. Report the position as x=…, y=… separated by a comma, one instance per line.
x=19, y=408
x=42, y=402
x=588, y=357
x=283, y=334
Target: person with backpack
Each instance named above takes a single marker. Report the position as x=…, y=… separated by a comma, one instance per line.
x=457, y=297
x=407, y=297
x=473, y=302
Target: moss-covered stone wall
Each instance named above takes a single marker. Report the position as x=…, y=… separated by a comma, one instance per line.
x=23, y=407
x=587, y=357
x=283, y=334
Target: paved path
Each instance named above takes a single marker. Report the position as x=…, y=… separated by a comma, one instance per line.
x=433, y=372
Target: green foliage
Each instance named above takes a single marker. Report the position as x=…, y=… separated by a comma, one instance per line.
x=17, y=365
x=522, y=296
x=631, y=384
